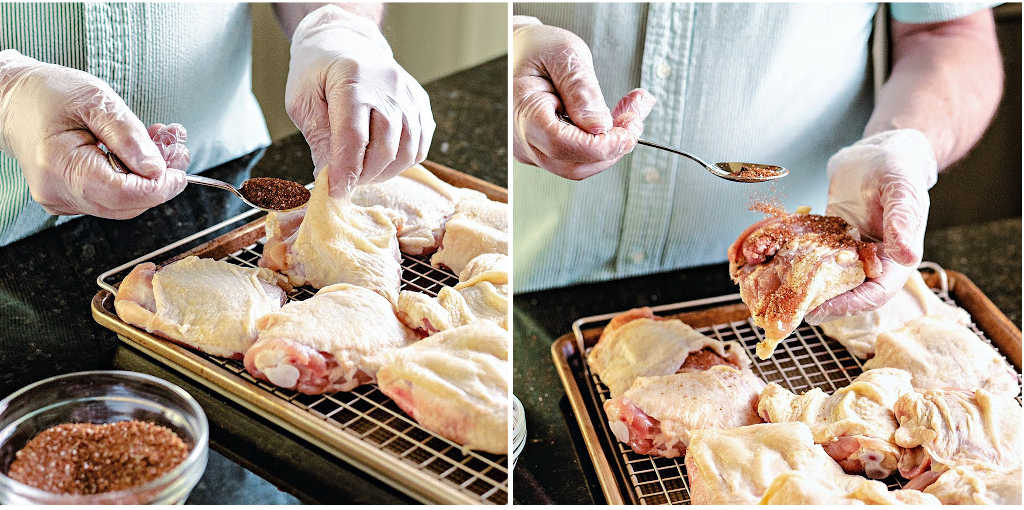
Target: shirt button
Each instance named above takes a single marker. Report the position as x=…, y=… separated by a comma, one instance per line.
x=652, y=175
x=663, y=70
x=637, y=257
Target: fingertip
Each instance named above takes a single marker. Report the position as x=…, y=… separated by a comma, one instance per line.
x=595, y=123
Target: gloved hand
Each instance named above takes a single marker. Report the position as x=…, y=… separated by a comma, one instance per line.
x=170, y=140
x=880, y=185
x=52, y=120
x=553, y=71
x=363, y=116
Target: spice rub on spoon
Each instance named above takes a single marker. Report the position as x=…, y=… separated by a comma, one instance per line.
x=265, y=193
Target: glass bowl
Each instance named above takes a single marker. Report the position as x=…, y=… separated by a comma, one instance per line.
x=103, y=397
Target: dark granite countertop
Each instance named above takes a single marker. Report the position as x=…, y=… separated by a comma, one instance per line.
x=554, y=467
x=48, y=280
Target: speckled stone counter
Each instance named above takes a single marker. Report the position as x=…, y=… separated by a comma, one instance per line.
x=554, y=466
x=48, y=280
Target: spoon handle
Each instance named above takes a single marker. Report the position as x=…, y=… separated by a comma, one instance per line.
x=648, y=143
x=206, y=181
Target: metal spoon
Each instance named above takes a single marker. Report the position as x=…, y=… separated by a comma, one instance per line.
x=732, y=170
x=205, y=181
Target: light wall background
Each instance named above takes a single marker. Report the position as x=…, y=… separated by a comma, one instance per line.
x=428, y=40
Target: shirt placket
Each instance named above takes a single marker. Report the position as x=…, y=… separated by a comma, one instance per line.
x=108, y=49
x=652, y=172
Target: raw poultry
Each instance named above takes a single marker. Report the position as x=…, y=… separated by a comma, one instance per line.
x=481, y=294
x=859, y=332
x=658, y=414
x=455, y=383
x=478, y=226
x=789, y=264
x=738, y=466
x=636, y=343
x=335, y=241
x=422, y=202
x=330, y=342
x=209, y=305
x=946, y=428
x=975, y=485
x=799, y=488
x=944, y=354
x=855, y=424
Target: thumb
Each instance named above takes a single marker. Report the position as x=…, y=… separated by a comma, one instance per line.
x=112, y=123
x=632, y=109
x=572, y=73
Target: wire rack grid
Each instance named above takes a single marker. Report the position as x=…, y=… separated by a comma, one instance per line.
x=806, y=359
x=371, y=416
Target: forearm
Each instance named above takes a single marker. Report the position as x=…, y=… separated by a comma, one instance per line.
x=290, y=14
x=946, y=82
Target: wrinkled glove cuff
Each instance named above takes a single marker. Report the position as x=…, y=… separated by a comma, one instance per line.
x=909, y=148
x=522, y=21
x=330, y=18
x=13, y=67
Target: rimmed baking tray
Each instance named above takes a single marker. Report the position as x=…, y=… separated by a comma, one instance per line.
x=362, y=427
x=806, y=359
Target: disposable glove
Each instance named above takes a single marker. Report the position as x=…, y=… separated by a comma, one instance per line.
x=170, y=139
x=364, y=117
x=880, y=185
x=553, y=71
x=52, y=120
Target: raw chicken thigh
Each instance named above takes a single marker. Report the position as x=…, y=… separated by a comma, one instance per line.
x=334, y=241
x=944, y=354
x=481, y=294
x=330, y=342
x=788, y=265
x=859, y=332
x=657, y=414
x=421, y=200
x=636, y=344
x=455, y=383
x=855, y=424
x=799, y=488
x=478, y=226
x=209, y=305
x=736, y=466
x=977, y=485
x=953, y=427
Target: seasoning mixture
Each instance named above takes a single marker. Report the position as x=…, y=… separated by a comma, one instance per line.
x=85, y=458
x=751, y=172
x=273, y=193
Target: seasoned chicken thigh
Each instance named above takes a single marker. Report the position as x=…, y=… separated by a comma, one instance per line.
x=455, y=383
x=422, y=201
x=859, y=332
x=330, y=342
x=953, y=427
x=481, y=294
x=943, y=354
x=976, y=485
x=335, y=241
x=855, y=424
x=636, y=343
x=657, y=414
x=800, y=488
x=478, y=226
x=210, y=305
x=788, y=265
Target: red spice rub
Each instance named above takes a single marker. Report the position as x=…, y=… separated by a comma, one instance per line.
x=273, y=193
x=85, y=458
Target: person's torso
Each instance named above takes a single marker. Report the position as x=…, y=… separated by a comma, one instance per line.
x=770, y=83
x=170, y=62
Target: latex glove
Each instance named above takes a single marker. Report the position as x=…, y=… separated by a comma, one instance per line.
x=552, y=71
x=170, y=140
x=364, y=117
x=880, y=185
x=52, y=120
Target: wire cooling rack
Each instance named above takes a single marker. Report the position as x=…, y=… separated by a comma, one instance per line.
x=805, y=360
x=364, y=413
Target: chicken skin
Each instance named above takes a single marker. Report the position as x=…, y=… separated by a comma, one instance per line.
x=481, y=294
x=855, y=424
x=478, y=226
x=787, y=265
x=939, y=354
x=209, y=305
x=636, y=344
x=800, y=488
x=657, y=414
x=330, y=342
x=455, y=383
x=975, y=485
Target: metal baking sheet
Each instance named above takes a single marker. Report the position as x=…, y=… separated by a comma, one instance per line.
x=806, y=359
x=363, y=427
